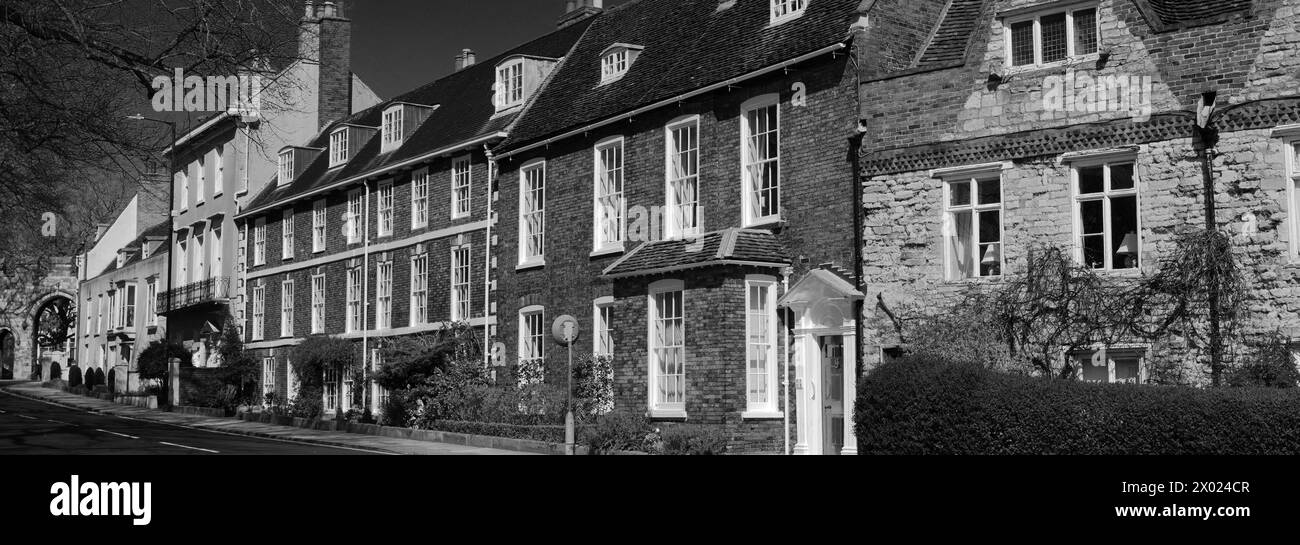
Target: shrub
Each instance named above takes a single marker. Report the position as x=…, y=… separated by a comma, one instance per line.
x=691, y=439
x=1271, y=366
x=913, y=406
x=549, y=433
x=395, y=412
x=151, y=363
x=616, y=431
x=74, y=376
x=79, y=390
x=56, y=372
x=111, y=380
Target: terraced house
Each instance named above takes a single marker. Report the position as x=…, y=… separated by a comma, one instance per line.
x=381, y=224
x=684, y=187
x=1092, y=126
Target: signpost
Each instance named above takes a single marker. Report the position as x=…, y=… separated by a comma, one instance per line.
x=565, y=331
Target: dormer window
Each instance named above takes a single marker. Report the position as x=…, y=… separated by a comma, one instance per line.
x=510, y=84
x=1045, y=37
x=784, y=10
x=393, y=128
x=339, y=147
x=286, y=166
x=615, y=61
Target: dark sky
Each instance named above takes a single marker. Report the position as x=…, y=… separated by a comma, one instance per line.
x=398, y=45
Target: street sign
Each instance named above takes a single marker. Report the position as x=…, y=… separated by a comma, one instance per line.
x=565, y=330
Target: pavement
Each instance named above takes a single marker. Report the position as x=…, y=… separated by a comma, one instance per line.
x=38, y=420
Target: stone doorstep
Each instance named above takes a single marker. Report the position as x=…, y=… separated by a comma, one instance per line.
x=432, y=436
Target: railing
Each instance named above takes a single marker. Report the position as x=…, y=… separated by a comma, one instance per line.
x=211, y=290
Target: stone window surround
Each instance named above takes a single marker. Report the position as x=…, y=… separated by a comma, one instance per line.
x=1034, y=12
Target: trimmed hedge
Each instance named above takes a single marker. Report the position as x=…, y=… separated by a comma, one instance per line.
x=552, y=434
x=918, y=407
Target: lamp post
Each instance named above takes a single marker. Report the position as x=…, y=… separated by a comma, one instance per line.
x=171, y=228
x=565, y=331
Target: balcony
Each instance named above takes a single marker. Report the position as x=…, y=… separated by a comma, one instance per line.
x=212, y=290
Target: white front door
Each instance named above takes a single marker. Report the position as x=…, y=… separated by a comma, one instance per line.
x=831, y=348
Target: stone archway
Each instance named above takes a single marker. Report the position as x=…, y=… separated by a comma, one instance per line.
x=7, y=343
x=52, y=327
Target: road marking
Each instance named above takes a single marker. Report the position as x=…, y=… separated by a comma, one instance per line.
x=191, y=448
x=118, y=434
x=60, y=422
x=27, y=417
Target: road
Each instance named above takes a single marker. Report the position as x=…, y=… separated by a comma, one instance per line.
x=33, y=427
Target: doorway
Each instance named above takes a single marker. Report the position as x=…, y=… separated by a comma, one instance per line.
x=832, y=366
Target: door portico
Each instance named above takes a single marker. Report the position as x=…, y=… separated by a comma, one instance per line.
x=825, y=359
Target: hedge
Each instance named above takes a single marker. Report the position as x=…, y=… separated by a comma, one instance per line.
x=548, y=433
x=918, y=407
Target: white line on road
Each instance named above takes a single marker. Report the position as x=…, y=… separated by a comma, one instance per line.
x=191, y=448
x=27, y=417
x=59, y=422
x=118, y=434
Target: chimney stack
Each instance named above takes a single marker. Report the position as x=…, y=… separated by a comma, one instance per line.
x=577, y=10
x=465, y=59
x=326, y=39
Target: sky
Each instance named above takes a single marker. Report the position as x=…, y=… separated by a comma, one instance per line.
x=398, y=45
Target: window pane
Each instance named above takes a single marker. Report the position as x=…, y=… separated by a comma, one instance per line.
x=1126, y=370
x=1085, y=31
x=1053, y=37
x=1091, y=180
x=990, y=250
x=1022, y=43
x=1090, y=212
x=1121, y=176
x=990, y=191
x=961, y=246
x=1123, y=221
x=959, y=193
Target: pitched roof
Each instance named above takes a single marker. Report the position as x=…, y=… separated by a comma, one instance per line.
x=729, y=246
x=465, y=112
x=688, y=45
x=1170, y=14
x=952, y=37
x=161, y=230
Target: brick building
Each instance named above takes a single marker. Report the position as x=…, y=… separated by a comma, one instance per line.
x=684, y=188
x=228, y=159
x=1074, y=123
x=380, y=225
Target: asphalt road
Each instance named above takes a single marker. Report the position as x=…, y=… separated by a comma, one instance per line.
x=33, y=427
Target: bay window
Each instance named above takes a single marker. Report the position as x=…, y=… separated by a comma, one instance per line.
x=760, y=345
x=667, y=348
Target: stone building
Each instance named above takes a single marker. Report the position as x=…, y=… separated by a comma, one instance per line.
x=380, y=224
x=684, y=188
x=1075, y=124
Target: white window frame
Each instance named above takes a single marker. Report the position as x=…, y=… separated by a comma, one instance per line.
x=761, y=407
x=675, y=407
x=674, y=227
x=612, y=202
x=218, y=170
x=319, y=224
x=286, y=168
x=1291, y=162
x=354, y=310
x=268, y=375
x=203, y=180
x=462, y=186
x=1107, y=194
x=151, y=300
x=1070, y=54
x=528, y=258
x=99, y=321
x=784, y=10
x=392, y=128
x=420, y=198
x=602, y=336
x=384, y=295
x=259, y=241
x=286, y=234
x=126, y=315
x=259, y=312
x=385, y=209
x=184, y=182
x=286, y=308
x=355, y=208
x=1084, y=359
x=461, y=285
x=614, y=65
x=509, y=84
x=419, y=289
x=748, y=163
x=339, y=147
x=973, y=177
x=532, y=338
x=318, y=303
x=330, y=390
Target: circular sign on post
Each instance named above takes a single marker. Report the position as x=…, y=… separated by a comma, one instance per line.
x=565, y=330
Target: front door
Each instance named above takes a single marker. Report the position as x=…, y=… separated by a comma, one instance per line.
x=832, y=352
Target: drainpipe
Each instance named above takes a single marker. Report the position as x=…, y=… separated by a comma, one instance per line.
x=1206, y=138
x=785, y=357
x=365, y=298
x=487, y=257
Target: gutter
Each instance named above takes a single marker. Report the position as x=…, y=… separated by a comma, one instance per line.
x=385, y=170
x=700, y=265
x=678, y=98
